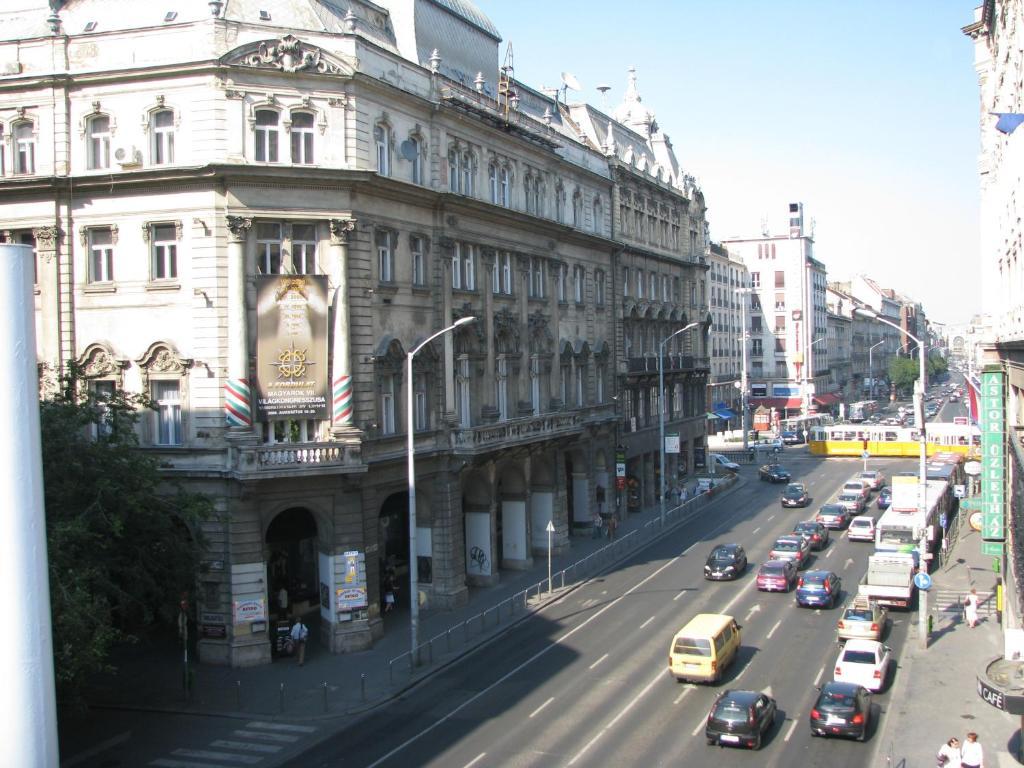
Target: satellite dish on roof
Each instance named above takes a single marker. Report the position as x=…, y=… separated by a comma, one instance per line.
x=570, y=81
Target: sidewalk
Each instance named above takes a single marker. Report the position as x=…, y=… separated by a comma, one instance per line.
x=336, y=687
x=934, y=692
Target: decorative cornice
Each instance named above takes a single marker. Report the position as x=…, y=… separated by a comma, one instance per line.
x=239, y=227
x=341, y=229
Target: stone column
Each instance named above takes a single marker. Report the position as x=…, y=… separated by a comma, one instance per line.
x=489, y=392
x=524, y=325
x=341, y=367
x=237, y=391
x=555, y=379
x=48, y=282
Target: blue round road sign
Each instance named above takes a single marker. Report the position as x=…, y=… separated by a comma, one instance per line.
x=922, y=581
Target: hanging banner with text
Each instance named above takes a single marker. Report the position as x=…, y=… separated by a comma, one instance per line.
x=291, y=347
x=993, y=456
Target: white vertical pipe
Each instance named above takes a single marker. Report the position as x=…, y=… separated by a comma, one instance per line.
x=28, y=730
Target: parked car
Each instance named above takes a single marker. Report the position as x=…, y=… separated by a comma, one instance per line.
x=818, y=589
x=795, y=495
x=721, y=462
x=793, y=548
x=815, y=533
x=852, y=500
x=865, y=662
x=884, y=498
x=841, y=709
x=777, y=576
x=861, y=528
x=740, y=718
x=862, y=619
x=774, y=473
x=834, y=516
x=726, y=561
x=874, y=478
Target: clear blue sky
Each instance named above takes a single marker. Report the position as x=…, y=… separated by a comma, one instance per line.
x=866, y=111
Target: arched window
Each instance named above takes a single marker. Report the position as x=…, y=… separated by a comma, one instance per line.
x=598, y=212
x=416, y=159
x=492, y=181
x=577, y=208
x=453, y=169
x=504, y=185
x=24, y=148
x=382, y=146
x=302, y=138
x=98, y=133
x=467, y=174
x=161, y=148
x=267, y=135
x=560, y=204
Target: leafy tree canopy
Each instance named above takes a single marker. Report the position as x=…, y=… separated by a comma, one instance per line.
x=123, y=541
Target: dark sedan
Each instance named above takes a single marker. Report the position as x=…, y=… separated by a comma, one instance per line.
x=815, y=533
x=740, y=718
x=884, y=498
x=833, y=516
x=818, y=589
x=726, y=561
x=774, y=473
x=795, y=495
x=842, y=709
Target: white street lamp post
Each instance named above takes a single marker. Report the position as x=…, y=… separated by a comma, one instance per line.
x=808, y=376
x=922, y=469
x=871, y=365
x=661, y=410
x=414, y=586
x=744, y=292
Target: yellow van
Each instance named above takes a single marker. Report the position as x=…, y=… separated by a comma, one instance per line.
x=702, y=649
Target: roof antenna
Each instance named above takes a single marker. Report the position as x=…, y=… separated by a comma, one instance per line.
x=603, y=88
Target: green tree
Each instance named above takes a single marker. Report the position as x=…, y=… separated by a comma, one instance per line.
x=903, y=373
x=937, y=365
x=123, y=542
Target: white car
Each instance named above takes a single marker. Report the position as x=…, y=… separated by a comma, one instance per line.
x=861, y=528
x=719, y=461
x=864, y=662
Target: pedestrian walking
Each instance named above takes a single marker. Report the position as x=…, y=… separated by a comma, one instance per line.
x=949, y=754
x=971, y=755
x=598, y=522
x=613, y=523
x=684, y=494
x=971, y=608
x=299, y=634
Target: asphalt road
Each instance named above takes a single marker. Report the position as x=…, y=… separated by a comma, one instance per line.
x=585, y=682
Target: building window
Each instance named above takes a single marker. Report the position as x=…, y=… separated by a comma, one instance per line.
x=24, y=148
x=580, y=382
x=780, y=302
x=564, y=374
x=561, y=278
x=560, y=204
x=625, y=281
x=599, y=382
x=387, y=405
x=268, y=248
x=164, y=244
x=598, y=215
x=497, y=179
x=167, y=400
x=464, y=267
x=162, y=146
x=501, y=387
x=421, y=411
x=755, y=279
x=653, y=285
x=535, y=384
x=417, y=160
x=467, y=174
x=664, y=288
x=382, y=147
x=302, y=138
x=385, y=256
x=98, y=130
x=462, y=392
x=505, y=185
x=780, y=279
x=502, y=276
x=418, y=258
x=599, y=288
x=453, y=169
x=538, y=275
x=101, y=255
x=492, y=181
x=267, y=132
x=577, y=209
x=578, y=277
x=780, y=323
x=639, y=283
x=304, y=249
x=104, y=392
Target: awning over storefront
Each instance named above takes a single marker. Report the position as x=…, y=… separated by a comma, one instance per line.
x=712, y=416
x=776, y=402
x=829, y=398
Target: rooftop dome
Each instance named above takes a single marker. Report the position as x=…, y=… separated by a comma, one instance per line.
x=631, y=112
x=468, y=11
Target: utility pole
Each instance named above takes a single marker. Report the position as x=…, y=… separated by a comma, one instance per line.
x=743, y=293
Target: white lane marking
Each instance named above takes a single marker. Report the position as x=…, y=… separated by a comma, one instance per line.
x=243, y=746
x=682, y=695
x=681, y=593
x=598, y=661
x=205, y=754
x=829, y=553
x=283, y=738
x=647, y=622
x=687, y=550
x=753, y=609
x=538, y=709
x=103, y=746
x=737, y=596
x=848, y=563
x=700, y=727
x=789, y=733
x=772, y=630
x=755, y=530
x=622, y=713
x=280, y=727
x=475, y=760
x=817, y=678
x=771, y=518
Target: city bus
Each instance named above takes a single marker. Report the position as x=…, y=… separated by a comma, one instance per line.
x=902, y=526
x=884, y=440
x=862, y=410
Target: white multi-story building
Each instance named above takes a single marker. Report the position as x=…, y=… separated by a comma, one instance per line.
x=725, y=276
x=789, y=366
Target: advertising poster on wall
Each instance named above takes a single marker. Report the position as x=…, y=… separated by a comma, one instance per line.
x=291, y=348
x=249, y=610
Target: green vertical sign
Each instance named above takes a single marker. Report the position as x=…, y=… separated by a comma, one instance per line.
x=993, y=456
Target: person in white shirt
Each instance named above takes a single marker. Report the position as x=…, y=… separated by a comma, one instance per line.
x=949, y=754
x=299, y=634
x=971, y=755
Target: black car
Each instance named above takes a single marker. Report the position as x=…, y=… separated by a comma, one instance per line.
x=795, y=495
x=726, y=561
x=774, y=473
x=740, y=718
x=842, y=709
x=815, y=533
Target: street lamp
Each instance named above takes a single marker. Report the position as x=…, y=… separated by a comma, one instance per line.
x=414, y=590
x=743, y=292
x=808, y=376
x=871, y=365
x=661, y=409
x=922, y=469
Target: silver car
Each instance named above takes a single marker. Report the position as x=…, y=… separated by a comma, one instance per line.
x=862, y=619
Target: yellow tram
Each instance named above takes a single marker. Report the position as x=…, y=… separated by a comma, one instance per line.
x=884, y=440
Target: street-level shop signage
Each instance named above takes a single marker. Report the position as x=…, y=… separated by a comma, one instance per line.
x=291, y=347
x=993, y=456
x=1008, y=702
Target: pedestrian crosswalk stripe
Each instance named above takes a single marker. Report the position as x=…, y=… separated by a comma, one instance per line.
x=280, y=727
x=243, y=746
x=279, y=737
x=165, y=763
x=207, y=755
